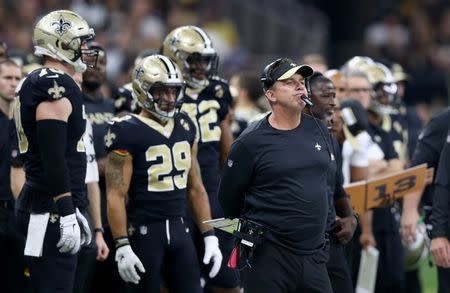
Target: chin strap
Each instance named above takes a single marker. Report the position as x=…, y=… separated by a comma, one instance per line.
x=78, y=65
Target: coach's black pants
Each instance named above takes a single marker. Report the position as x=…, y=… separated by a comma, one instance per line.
x=338, y=269
x=274, y=269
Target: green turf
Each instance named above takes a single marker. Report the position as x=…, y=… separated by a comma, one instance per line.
x=428, y=276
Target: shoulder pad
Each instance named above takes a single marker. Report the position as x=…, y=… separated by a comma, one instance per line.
x=218, y=78
x=52, y=84
x=120, y=119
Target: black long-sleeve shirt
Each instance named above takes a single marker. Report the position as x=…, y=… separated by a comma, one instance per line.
x=279, y=178
x=441, y=197
x=429, y=146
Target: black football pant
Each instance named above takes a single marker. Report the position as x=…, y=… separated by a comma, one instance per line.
x=275, y=269
x=165, y=244
x=85, y=264
x=338, y=268
x=390, y=274
x=54, y=271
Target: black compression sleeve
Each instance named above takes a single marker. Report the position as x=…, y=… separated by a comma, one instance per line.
x=52, y=141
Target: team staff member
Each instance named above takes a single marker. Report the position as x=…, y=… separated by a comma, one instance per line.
x=428, y=147
x=157, y=169
x=340, y=231
x=50, y=126
x=276, y=175
x=440, y=246
x=12, y=267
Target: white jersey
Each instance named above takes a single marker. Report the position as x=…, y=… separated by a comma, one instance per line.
x=91, y=166
x=355, y=153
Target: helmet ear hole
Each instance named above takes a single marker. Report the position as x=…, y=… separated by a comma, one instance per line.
x=64, y=46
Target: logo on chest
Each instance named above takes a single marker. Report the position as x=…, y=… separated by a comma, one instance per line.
x=318, y=146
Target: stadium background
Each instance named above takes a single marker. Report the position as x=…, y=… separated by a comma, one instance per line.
x=248, y=34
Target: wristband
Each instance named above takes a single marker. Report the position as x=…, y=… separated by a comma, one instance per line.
x=208, y=233
x=64, y=205
x=99, y=230
x=121, y=241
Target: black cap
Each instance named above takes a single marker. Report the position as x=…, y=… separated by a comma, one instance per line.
x=282, y=69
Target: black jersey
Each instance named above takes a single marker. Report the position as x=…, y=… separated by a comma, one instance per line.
x=47, y=84
x=6, y=147
x=161, y=162
x=397, y=127
x=429, y=146
x=384, y=219
x=98, y=111
x=441, y=199
x=207, y=109
x=279, y=179
x=124, y=101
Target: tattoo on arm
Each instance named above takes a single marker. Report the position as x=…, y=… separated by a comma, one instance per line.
x=114, y=173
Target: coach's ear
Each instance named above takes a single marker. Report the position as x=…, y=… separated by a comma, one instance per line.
x=270, y=95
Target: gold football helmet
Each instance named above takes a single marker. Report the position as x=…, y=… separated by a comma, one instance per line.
x=61, y=35
x=191, y=48
x=385, y=88
x=157, y=85
x=417, y=252
x=357, y=63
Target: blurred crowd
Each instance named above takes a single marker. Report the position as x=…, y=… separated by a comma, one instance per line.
x=415, y=34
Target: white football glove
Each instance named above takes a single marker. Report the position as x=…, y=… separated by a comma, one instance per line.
x=126, y=262
x=69, y=242
x=212, y=251
x=85, y=230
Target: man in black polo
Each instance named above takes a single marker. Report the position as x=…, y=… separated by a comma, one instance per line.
x=276, y=175
x=12, y=267
x=341, y=229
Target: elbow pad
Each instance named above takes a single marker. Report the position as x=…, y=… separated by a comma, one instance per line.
x=52, y=142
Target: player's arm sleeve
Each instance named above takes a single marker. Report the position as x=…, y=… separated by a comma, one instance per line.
x=225, y=102
x=441, y=197
x=236, y=178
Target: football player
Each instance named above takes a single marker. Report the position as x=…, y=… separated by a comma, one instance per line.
x=152, y=157
x=99, y=110
x=375, y=92
x=123, y=98
x=206, y=100
x=50, y=124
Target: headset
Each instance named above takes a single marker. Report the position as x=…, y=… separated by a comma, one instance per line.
x=266, y=78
